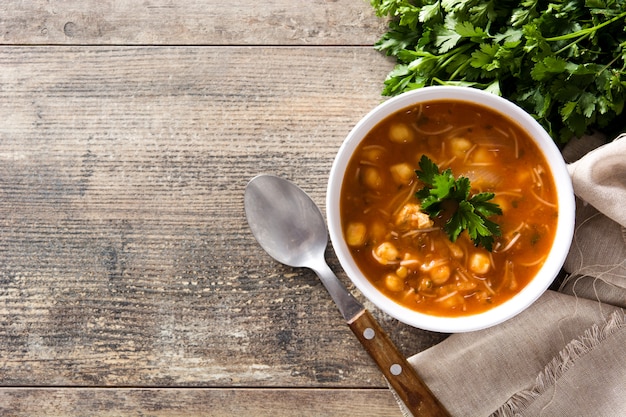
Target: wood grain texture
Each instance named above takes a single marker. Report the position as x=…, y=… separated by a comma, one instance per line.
x=190, y=22
x=72, y=402
x=126, y=259
x=129, y=281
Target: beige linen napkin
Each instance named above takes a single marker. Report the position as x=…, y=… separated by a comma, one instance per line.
x=566, y=354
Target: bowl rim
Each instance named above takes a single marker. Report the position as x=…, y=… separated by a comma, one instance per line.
x=562, y=239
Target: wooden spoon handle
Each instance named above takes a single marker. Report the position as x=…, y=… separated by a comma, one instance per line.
x=418, y=399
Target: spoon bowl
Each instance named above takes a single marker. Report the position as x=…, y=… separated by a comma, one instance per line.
x=285, y=221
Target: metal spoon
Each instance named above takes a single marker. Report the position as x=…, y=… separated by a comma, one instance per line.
x=291, y=229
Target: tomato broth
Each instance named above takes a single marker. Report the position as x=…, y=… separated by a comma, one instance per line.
x=406, y=254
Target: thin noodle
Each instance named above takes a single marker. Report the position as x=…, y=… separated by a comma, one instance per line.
x=419, y=112
x=512, y=242
x=434, y=132
x=426, y=294
x=415, y=232
x=394, y=205
x=374, y=147
x=488, y=286
x=408, y=197
x=520, y=227
x=511, y=193
x=541, y=200
x=502, y=132
x=435, y=264
x=513, y=284
x=536, y=181
x=508, y=275
x=383, y=212
x=463, y=274
x=447, y=164
x=372, y=196
x=538, y=177
x=368, y=163
x=494, y=147
x=445, y=297
x=458, y=130
x=469, y=152
x=409, y=292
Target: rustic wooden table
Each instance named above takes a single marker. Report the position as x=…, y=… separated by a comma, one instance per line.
x=129, y=281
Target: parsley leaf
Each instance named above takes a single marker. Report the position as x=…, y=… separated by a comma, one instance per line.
x=471, y=214
x=563, y=62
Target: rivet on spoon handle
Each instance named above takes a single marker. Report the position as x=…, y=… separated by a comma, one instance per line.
x=399, y=373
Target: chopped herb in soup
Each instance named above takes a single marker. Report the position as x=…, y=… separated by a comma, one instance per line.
x=407, y=250
x=445, y=194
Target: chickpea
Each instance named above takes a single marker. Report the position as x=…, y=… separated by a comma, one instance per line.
x=372, y=179
x=386, y=252
x=482, y=156
x=440, y=274
x=356, y=234
x=394, y=282
x=372, y=154
x=460, y=146
x=402, y=173
x=452, y=301
x=402, y=272
x=479, y=263
x=400, y=133
x=378, y=231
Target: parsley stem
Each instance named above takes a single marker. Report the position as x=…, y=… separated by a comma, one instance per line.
x=569, y=45
x=460, y=68
x=586, y=31
x=450, y=56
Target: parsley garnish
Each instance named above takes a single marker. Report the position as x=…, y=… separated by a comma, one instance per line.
x=564, y=62
x=469, y=214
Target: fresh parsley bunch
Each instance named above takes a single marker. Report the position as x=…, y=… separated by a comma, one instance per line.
x=468, y=213
x=562, y=61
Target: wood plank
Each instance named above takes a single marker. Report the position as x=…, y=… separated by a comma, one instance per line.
x=125, y=256
x=190, y=22
x=73, y=402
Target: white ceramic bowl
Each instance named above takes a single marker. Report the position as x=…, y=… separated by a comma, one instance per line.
x=545, y=276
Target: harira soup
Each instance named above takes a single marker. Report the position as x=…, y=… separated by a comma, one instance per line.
x=425, y=259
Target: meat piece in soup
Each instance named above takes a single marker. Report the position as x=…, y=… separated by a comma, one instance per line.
x=404, y=252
